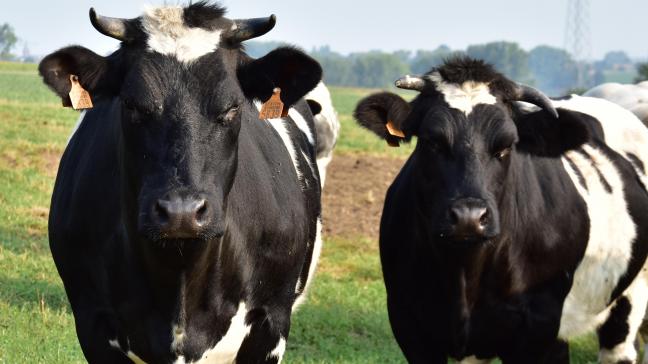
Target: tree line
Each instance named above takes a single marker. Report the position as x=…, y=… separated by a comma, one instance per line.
x=550, y=69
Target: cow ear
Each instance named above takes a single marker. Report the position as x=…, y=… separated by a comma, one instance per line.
x=546, y=136
x=375, y=111
x=56, y=68
x=290, y=69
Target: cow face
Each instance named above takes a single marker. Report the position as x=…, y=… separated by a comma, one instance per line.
x=183, y=86
x=470, y=141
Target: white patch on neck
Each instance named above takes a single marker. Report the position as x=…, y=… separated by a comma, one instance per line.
x=227, y=348
x=463, y=97
x=168, y=34
x=278, y=351
x=278, y=125
x=302, y=124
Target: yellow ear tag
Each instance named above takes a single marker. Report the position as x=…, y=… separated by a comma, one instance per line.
x=273, y=108
x=78, y=95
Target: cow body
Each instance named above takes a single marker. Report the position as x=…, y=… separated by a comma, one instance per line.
x=564, y=234
x=631, y=97
x=212, y=269
x=327, y=126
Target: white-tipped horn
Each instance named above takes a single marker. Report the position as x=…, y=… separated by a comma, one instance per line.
x=408, y=82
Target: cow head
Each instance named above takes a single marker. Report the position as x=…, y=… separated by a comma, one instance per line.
x=472, y=143
x=183, y=85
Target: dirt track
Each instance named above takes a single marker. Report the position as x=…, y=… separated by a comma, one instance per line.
x=354, y=194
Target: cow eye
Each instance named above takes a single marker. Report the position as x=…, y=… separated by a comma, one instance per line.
x=502, y=154
x=231, y=113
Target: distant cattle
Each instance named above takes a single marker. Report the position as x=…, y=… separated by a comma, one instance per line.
x=632, y=97
x=185, y=228
x=511, y=227
x=327, y=126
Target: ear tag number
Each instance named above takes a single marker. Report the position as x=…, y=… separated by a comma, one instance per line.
x=394, y=132
x=78, y=95
x=273, y=108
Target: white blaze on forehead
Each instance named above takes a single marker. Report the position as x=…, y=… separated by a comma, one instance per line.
x=168, y=34
x=463, y=97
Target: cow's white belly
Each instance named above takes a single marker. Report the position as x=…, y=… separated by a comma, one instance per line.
x=609, y=249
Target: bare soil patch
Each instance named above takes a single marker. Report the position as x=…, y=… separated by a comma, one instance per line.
x=354, y=194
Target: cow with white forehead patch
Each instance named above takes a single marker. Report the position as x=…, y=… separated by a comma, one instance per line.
x=511, y=227
x=184, y=226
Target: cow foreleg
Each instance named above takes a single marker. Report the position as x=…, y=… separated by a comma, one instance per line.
x=266, y=342
x=618, y=332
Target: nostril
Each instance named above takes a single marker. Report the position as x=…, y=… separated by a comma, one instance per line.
x=454, y=217
x=161, y=212
x=201, y=210
x=483, y=219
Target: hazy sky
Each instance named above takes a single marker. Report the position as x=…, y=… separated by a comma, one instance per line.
x=359, y=25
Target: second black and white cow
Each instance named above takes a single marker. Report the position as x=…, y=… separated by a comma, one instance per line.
x=511, y=228
x=185, y=229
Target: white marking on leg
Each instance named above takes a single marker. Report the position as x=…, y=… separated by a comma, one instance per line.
x=317, y=250
x=168, y=34
x=608, y=252
x=131, y=355
x=278, y=351
x=278, y=125
x=77, y=125
x=463, y=97
x=227, y=348
x=637, y=295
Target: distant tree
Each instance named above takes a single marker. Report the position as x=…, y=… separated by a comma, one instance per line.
x=258, y=49
x=8, y=40
x=424, y=60
x=642, y=72
x=507, y=57
x=553, y=69
x=376, y=69
x=336, y=68
x=615, y=57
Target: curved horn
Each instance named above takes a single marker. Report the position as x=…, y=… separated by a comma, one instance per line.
x=245, y=29
x=408, y=82
x=531, y=95
x=113, y=27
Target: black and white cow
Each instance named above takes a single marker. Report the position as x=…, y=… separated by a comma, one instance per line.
x=511, y=228
x=185, y=229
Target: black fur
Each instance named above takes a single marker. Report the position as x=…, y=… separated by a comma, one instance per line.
x=203, y=15
x=373, y=113
x=314, y=106
x=285, y=67
x=496, y=291
x=164, y=131
x=615, y=329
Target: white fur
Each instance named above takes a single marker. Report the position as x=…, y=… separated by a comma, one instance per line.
x=168, y=34
x=327, y=126
x=227, y=348
x=302, y=125
x=278, y=125
x=624, y=132
x=77, y=125
x=463, y=97
x=609, y=249
x=278, y=351
x=637, y=294
x=131, y=355
x=317, y=250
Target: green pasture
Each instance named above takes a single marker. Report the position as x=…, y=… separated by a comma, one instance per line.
x=343, y=321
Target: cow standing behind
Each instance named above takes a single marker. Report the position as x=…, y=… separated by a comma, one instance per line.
x=509, y=229
x=327, y=126
x=185, y=229
x=632, y=97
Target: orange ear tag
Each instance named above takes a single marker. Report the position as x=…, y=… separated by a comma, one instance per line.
x=273, y=108
x=394, y=130
x=78, y=95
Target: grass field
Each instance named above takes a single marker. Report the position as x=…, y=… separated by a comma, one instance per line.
x=344, y=320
